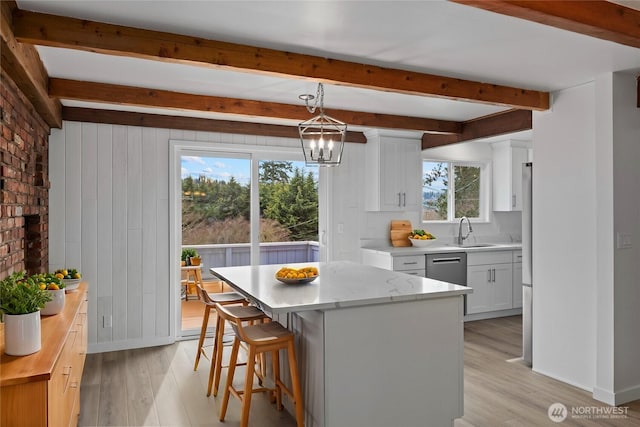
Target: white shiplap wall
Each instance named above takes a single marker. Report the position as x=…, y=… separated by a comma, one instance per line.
x=109, y=217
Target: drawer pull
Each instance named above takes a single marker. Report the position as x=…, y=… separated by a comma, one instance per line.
x=446, y=260
x=410, y=263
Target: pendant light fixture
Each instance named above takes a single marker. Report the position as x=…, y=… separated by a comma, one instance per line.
x=322, y=137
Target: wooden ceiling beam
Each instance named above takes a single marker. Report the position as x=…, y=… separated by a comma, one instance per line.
x=595, y=18
x=72, y=33
x=22, y=63
x=483, y=127
x=127, y=118
x=127, y=95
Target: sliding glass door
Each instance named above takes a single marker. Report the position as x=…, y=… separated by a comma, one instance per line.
x=239, y=205
x=219, y=211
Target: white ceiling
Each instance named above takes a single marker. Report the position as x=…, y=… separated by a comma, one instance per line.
x=436, y=37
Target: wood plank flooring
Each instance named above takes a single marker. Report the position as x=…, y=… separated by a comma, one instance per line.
x=157, y=386
x=501, y=391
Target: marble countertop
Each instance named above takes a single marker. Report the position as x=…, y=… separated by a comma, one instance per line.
x=443, y=248
x=339, y=284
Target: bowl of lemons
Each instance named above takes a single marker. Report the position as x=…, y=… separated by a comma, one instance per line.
x=421, y=238
x=70, y=277
x=296, y=276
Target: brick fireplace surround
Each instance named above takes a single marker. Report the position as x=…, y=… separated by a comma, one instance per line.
x=24, y=184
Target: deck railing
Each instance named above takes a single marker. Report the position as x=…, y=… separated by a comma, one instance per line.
x=233, y=254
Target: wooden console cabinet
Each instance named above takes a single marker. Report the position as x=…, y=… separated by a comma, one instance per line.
x=43, y=389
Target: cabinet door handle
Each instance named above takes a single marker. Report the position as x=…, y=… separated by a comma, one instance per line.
x=404, y=199
x=399, y=199
x=493, y=275
x=513, y=200
x=445, y=260
x=489, y=275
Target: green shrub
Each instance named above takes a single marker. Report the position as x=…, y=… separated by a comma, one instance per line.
x=22, y=295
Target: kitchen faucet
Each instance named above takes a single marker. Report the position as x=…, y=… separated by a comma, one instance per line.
x=460, y=238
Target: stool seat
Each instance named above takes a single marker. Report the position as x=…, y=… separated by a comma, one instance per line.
x=226, y=297
x=210, y=301
x=267, y=333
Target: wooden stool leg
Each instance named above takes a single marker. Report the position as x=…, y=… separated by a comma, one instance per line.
x=203, y=334
x=216, y=357
x=230, y=372
x=218, y=373
x=295, y=383
x=275, y=363
x=248, y=387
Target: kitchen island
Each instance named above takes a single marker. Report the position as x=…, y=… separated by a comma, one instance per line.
x=375, y=347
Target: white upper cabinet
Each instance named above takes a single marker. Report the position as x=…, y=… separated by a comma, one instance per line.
x=393, y=166
x=508, y=157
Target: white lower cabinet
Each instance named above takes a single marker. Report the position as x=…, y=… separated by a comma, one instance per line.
x=408, y=264
x=490, y=274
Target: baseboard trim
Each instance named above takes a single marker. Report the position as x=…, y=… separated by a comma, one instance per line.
x=561, y=379
x=492, y=314
x=617, y=398
x=128, y=344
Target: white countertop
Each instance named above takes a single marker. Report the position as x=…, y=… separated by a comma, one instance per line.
x=439, y=248
x=339, y=284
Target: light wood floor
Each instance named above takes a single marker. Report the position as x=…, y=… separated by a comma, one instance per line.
x=157, y=386
x=501, y=391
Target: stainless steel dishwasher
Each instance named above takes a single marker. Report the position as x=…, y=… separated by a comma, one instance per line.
x=449, y=267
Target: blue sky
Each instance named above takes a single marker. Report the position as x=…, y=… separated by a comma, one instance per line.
x=438, y=185
x=218, y=168
x=222, y=168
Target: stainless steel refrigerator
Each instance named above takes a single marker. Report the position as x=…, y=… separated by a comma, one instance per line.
x=527, y=273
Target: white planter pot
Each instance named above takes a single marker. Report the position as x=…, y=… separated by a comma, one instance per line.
x=22, y=334
x=56, y=304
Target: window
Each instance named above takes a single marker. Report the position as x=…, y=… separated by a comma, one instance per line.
x=452, y=190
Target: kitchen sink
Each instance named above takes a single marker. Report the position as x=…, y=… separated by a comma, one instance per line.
x=474, y=245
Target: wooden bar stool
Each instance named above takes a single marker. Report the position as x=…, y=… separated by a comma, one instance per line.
x=261, y=338
x=239, y=314
x=210, y=301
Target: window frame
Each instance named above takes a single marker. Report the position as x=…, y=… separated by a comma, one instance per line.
x=485, y=190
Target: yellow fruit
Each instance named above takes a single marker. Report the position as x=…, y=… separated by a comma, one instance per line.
x=53, y=287
x=60, y=275
x=43, y=286
x=64, y=272
x=76, y=276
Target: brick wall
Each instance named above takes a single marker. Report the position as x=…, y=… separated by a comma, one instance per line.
x=24, y=184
